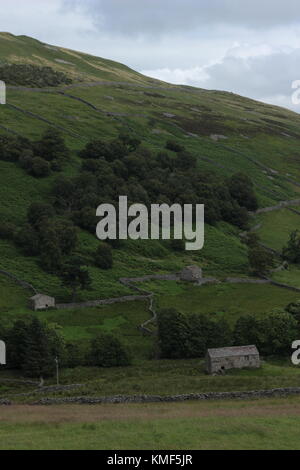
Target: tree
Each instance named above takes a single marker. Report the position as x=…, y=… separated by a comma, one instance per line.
x=40, y=168
x=26, y=159
x=252, y=239
x=248, y=330
x=17, y=342
x=108, y=351
x=294, y=309
x=12, y=147
x=131, y=142
x=186, y=161
x=86, y=219
x=73, y=356
x=50, y=249
x=173, y=334
x=103, y=256
x=204, y=333
x=40, y=351
x=52, y=146
x=200, y=334
x=7, y=230
x=94, y=150
x=280, y=330
x=174, y=146
x=260, y=260
x=75, y=277
x=273, y=334
x=38, y=211
x=234, y=214
x=241, y=189
x=28, y=239
x=66, y=234
x=292, y=251
x=177, y=245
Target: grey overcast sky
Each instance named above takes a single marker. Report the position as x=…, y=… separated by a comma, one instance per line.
x=250, y=47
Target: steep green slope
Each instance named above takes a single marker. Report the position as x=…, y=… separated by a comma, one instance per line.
x=228, y=134
x=79, y=66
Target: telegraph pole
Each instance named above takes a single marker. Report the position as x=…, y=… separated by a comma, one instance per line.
x=57, y=370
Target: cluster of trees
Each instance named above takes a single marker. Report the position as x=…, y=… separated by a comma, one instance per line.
x=47, y=235
x=124, y=166
x=110, y=169
x=54, y=239
x=39, y=158
x=189, y=336
x=262, y=261
x=28, y=75
x=33, y=348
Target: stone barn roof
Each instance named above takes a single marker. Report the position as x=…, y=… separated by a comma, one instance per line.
x=233, y=351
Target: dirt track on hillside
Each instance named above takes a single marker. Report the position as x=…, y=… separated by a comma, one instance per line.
x=96, y=413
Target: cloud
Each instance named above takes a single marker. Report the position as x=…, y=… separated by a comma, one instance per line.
x=251, y=48
x=47, y=21
x=134, y=17
x=267, y=76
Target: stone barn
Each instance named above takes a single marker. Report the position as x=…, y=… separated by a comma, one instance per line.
x=191, y=274
x=42, y=302
x=2, y=353
x=239, y=357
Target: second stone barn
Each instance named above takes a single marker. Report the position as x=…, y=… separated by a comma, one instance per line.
x=219, y=360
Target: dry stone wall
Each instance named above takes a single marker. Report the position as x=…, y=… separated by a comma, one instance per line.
x=242, y=395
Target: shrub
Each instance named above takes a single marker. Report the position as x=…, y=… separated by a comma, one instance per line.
x=241, y=189
x=52, y=147
x=32, y=347
x=40, y=168
x=107, y=351
x=261, y=261
x=104, y=257
x=273, y=334
x=32, y=75
x=292, y=251
x=173, y=334
x=28, y=239
x=39, y=211
x=248, y=330
x=7, y=230
x=174, y=146
x=177, y=245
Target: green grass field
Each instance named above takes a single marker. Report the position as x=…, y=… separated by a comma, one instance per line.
x=277, y=227
x=255, y=425
x=155, y=377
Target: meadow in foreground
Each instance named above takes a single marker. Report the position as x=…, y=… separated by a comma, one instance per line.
x=261, y=424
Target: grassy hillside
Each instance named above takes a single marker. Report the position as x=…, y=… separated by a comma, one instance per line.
x=226, y=132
